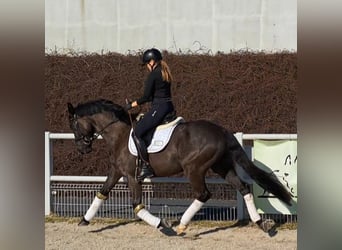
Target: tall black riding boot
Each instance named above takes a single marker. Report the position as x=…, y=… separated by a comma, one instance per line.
x=146, y=170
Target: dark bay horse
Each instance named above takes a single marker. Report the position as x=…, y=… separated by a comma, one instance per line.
x=194, y=148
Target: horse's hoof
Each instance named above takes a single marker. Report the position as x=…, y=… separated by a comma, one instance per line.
x=181, y=229
x=164, y=223
x=83, y=222
x=266, y=225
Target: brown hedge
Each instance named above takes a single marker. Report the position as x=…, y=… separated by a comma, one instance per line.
x=242, y=91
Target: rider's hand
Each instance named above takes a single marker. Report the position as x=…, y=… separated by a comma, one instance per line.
x=128, y=106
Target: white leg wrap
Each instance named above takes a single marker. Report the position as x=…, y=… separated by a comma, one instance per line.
x=148, y=218
x=253, y=214
x=93, y=208
x=190, y=212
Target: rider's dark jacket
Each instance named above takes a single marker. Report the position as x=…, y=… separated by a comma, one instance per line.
x=155, y=87
x=157, y=91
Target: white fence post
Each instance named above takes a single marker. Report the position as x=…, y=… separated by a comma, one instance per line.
x=239, y=198
x=48, y=172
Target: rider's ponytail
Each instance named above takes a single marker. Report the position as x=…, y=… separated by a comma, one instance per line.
x=166, y=73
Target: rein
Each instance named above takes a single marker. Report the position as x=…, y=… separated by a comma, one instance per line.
x=97, y=134
x=88, y=139
x=130, y=117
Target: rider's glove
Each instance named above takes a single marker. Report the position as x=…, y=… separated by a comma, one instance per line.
x=128, y=106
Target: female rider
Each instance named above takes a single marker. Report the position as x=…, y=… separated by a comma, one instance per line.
x=157, y=90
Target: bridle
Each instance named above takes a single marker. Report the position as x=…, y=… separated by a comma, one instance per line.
x=86, y=139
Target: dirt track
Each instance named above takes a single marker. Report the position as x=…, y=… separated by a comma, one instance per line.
x=64, y=235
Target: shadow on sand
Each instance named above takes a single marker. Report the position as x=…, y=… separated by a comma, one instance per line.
x=112, y=226
x=170, y=232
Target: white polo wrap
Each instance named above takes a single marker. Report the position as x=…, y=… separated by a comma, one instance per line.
x=190, y=212
x=93, y=208
x=148, y=218
x=253, y=214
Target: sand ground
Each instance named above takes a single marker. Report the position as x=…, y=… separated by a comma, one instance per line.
x=138, y=235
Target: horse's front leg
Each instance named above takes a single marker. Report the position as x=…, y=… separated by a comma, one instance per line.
x=101, y=196
x=139, y=208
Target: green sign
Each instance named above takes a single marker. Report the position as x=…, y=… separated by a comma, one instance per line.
x=280, y=159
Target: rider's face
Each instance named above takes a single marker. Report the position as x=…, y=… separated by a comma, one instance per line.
x=150, y=65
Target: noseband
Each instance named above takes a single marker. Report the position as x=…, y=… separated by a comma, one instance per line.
x=86, y=139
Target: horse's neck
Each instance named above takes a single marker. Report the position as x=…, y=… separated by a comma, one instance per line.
x=115, y=132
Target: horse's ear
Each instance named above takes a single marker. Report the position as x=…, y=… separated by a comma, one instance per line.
x=71, y=109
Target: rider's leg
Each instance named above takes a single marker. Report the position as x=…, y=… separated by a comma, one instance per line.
x=146, y=170
x=150, y=120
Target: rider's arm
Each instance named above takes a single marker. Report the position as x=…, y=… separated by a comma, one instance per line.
x=148, y=92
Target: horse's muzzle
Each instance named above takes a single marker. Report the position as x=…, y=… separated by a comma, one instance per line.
x=85, y=150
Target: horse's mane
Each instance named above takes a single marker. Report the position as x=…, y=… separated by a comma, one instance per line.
x=102, y=105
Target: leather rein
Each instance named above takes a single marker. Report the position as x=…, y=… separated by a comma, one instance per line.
x=89, y=139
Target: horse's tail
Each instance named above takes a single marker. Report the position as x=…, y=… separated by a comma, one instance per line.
x=267, y=181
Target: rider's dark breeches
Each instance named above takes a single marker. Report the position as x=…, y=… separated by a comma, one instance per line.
x=153, y=118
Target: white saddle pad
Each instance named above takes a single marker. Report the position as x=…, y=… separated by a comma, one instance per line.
x=160, y=138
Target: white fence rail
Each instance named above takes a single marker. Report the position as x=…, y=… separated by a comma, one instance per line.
x=49, y=177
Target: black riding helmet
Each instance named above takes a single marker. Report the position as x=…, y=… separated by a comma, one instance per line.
x=151, y=54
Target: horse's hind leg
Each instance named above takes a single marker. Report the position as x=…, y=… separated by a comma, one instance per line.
x=101, y=196
x=202, y=194
x=244, y=189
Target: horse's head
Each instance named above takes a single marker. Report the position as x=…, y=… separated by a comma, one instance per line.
x=92, y=119
x=82, y=129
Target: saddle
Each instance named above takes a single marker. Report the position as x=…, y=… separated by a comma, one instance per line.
x=159, y=137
